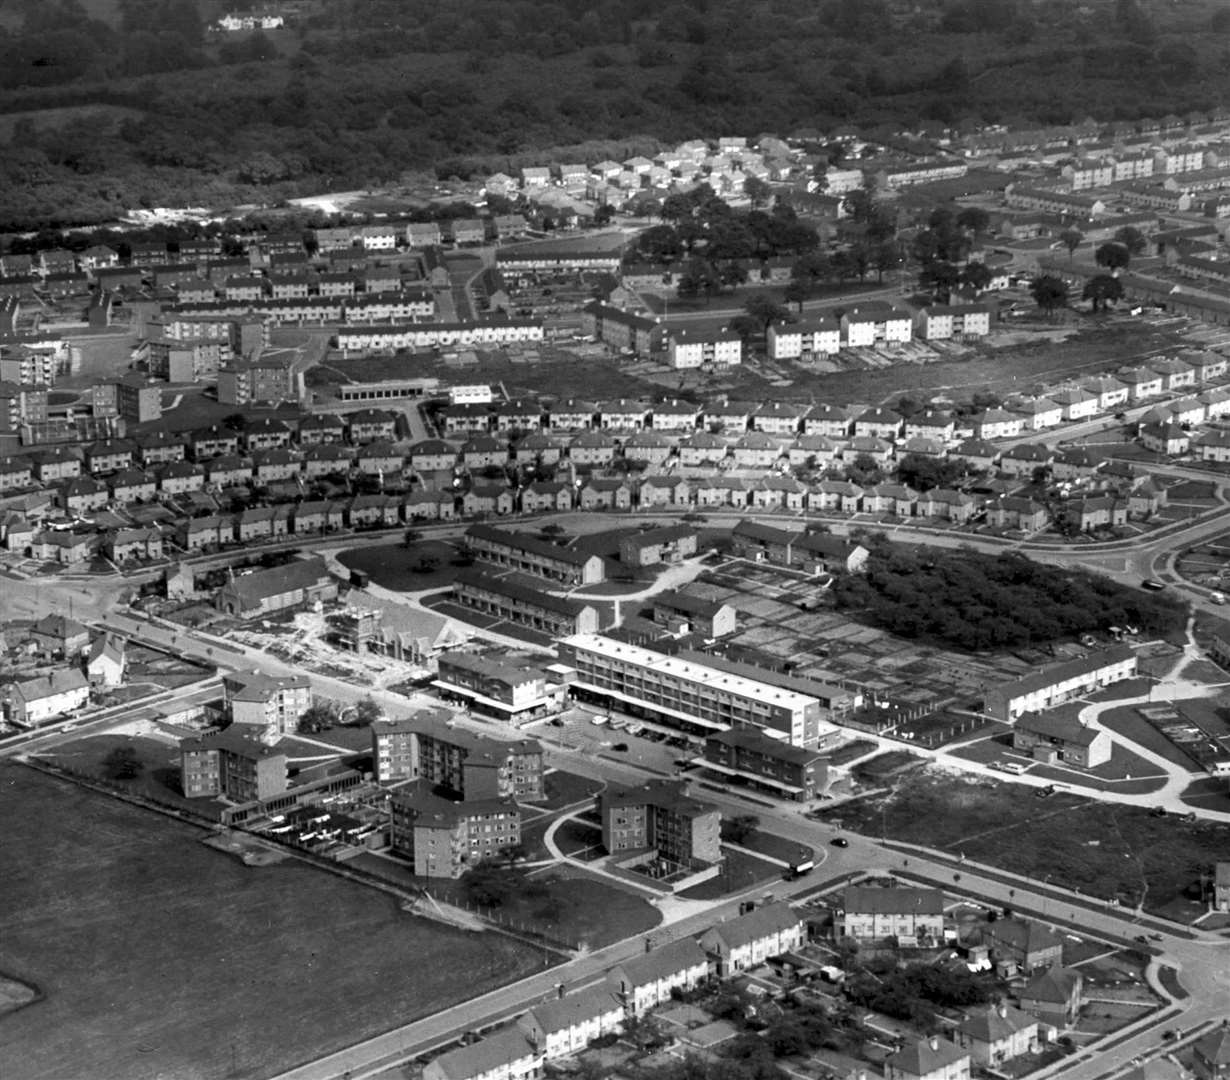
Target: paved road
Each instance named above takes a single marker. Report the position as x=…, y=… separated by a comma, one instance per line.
x=1204, y=962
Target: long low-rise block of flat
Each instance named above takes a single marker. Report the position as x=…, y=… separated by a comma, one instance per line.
x=519, y=551
x=684, y=693
x=515, y=599
x=1060, y=682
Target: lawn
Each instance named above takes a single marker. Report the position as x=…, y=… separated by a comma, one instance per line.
x=161, y=957
x=571, y=906
x=772, y=847
x=1102, y=849
x=427, y=564
x=1128, y=723
x=158, y=780
x=739, y=872
x=565, y=788
x=849, y=751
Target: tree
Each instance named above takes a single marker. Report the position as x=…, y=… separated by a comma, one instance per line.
x=1049, y=292
x=974, y=219
x=1131, y=238
x=885, y=255
x=976, y=276
x=1103, y=290
x=765, y=310
x=795, y=293
x=1113, y=256
x=740, y=827
x=123, y=763
x=939, y=278
x=321, y=716
x=758, y=191
x=367, y=711
x=1071, y=239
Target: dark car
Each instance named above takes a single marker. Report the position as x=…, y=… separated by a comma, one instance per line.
x=839, y=841
x=1169, y=1035
x=622, y=747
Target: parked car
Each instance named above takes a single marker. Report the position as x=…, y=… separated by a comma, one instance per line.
x=839, y=841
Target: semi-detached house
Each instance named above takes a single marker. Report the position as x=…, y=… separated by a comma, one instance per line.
x=742, y=943
x=646, y=981
x=570, y=1023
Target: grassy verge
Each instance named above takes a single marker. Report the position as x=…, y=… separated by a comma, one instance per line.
x=199, y=966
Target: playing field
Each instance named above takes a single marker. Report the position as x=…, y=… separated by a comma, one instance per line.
x=160, y=957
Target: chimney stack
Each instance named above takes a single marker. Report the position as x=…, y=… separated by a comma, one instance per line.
x=1002, y=1009
x=934, y=1042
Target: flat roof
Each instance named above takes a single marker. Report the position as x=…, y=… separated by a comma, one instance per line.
x=711, y=678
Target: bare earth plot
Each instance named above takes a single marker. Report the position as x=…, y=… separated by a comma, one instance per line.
x=162, y=958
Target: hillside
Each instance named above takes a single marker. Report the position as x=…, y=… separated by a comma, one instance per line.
x=358, y=91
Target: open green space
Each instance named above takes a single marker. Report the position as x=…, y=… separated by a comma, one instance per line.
x=563, y=903
x=425, y=564
x=1124, y=772
x=157, y=778
x=739, y=871
x=1128, y=723
x=776, y=847
x=160, y=957
x=565, y=788
x=1103, y=849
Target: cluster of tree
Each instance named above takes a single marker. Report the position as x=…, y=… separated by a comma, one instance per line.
x=924, y=473
x=942, y=251
x=914, y=993
x=358, y=91
x=699, y=223
x=323, y=715
x=977, y=601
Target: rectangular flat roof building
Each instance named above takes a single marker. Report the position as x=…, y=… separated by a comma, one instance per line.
x=684, y=693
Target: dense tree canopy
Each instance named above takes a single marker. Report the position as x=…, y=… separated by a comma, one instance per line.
x=152, y=108
x=977, y=601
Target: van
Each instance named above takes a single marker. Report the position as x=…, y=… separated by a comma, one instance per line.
x=1217, y=598
x=1012, y=767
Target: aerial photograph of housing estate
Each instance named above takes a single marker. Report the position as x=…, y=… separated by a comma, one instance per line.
x=617, y=541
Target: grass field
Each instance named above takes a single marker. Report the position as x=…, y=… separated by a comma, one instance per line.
x=158, y=780
x=397, y=567
x=162, y=958
x=1101, y=849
